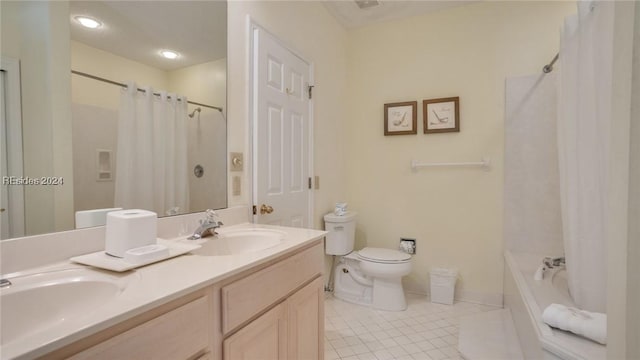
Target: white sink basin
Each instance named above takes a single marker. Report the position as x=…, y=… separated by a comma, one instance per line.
x=240, y=241
x=37, y=302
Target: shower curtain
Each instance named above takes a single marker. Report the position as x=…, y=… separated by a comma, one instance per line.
x=584, y=122
x=151, y=168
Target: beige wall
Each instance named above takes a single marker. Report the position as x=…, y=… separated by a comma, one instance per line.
x=100, y=63
x=308, y=29
x=455, y=214
x=204, y=83
x=633, y=251
x=36, y=33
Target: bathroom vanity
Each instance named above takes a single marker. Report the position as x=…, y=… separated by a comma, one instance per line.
x=266, y=304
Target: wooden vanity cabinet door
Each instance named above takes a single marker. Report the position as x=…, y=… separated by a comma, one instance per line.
x=181, y=333
x=265, y=338
x=306, y=322
x=249, y=296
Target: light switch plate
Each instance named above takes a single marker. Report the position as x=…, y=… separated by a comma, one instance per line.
x=236, y=161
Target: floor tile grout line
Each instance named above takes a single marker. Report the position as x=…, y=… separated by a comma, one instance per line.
x=350, y=330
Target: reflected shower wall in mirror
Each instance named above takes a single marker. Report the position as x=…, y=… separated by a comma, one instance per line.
x=70, y=123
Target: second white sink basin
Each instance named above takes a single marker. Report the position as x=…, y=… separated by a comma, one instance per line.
x=240, y=241
x=40, y=301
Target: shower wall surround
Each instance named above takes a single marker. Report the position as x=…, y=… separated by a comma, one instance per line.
x=532, y=218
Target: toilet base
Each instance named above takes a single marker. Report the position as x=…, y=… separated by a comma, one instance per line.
x=388, y=294
x=352, y=289
x=353, y=286
x=352, y=298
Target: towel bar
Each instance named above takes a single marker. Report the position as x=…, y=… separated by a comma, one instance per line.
x=485, y=164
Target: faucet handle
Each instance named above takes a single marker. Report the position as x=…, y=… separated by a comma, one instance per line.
x=212, y=217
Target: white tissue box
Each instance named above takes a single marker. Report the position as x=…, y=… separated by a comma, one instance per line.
x=130, y=229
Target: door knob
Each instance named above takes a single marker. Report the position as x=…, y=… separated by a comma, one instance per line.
x=265, y=209
x=2, y=210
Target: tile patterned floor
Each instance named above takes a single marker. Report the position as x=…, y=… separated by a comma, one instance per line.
x=425, y=331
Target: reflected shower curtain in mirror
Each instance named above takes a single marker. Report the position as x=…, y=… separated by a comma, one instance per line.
x=584, y=123
x=151, y=167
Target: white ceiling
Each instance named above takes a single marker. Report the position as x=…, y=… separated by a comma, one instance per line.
x=196, y=29
x=351, y=16
x=138, y=30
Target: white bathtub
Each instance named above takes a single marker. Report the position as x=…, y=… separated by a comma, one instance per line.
x=527, y=299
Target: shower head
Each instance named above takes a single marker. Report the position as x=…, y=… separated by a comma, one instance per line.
x=193, y=113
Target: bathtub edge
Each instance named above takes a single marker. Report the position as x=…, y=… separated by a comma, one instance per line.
x=543, y=331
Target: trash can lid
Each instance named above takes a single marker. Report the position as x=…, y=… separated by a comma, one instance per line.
x=348, y=216
x=444, y=272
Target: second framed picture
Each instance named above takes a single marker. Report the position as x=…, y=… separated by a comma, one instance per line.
x=441, y=115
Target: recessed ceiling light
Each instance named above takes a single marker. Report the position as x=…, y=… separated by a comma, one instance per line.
x=169, y=54
x=88, y=22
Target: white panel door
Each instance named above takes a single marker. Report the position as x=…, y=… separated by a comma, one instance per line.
x=281, y=134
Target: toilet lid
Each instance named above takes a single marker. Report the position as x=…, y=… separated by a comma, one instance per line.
x=383, y=255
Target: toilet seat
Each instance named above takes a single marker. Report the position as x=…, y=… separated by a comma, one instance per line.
x=383, y=256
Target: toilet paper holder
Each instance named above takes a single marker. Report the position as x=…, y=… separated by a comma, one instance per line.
x=408, y=245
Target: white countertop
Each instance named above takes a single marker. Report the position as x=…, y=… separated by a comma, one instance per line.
x=151, y=286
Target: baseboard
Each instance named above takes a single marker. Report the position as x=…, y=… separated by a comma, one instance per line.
x=490, y=299
x=469, y=296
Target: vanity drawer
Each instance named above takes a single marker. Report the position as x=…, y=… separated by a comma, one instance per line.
x=181, y=333
x=245, y=298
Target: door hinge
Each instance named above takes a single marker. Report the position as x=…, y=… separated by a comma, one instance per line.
x=310, y=181
x=311, y=91
x=255, y=210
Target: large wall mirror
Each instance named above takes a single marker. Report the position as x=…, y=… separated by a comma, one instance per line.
x=75, y=141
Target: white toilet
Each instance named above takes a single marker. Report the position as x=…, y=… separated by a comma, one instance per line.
x=371, y=276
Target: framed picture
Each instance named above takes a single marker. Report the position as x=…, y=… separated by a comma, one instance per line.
x=441, y=115
x=401, y=118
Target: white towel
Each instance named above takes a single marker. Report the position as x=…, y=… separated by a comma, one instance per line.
x=584, y=323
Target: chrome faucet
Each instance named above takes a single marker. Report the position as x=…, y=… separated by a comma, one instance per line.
x=551, y=263
x=207, y=227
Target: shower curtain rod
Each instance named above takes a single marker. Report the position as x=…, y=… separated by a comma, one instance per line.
x=549, y=67
x=141, y=90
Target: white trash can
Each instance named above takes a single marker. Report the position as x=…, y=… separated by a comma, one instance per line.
x=443, y=285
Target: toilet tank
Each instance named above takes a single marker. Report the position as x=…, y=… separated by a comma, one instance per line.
x=342, y=233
